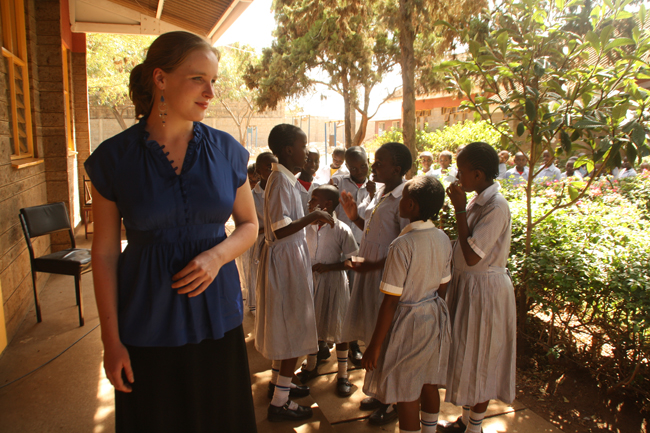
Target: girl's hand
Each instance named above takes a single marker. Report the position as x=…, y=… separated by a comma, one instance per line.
x=320, y=268
x=116, y=360
x=370, y=357
x=349, y=205
x=457, y=196
x=371, y=187
x=320, y=216
x=199, y=273
x=361, y=267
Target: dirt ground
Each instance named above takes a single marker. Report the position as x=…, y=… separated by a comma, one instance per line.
x=569, y=397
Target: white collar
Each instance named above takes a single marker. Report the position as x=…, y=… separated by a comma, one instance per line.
x=487, y=194
x=284, y=170
x=397, y=191
x=258, y=189
x=418, y=225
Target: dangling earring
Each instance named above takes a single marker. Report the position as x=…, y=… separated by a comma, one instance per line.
x=162, y=107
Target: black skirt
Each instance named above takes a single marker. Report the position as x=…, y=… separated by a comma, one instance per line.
x=194, y=388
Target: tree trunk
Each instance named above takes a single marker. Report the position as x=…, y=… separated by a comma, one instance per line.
x=361, y=132
x=407, y=60
x=118, y=117
x=347, y=113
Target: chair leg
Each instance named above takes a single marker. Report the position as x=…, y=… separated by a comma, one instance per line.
x=77, y=286
x=37, y=302
x=86, y=222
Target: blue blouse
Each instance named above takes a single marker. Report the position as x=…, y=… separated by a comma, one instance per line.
x=169, y=220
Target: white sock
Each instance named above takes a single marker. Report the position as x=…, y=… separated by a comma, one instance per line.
x=342, y=359
x=311, y=361
x=466, y=415
x=429, y=421
x=401, y=430
x=475, y=422
x=275, y=371
x=281, y=393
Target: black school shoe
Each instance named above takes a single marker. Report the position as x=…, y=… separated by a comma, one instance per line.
x=381, y=417
x=355, y=354
x=452, y=427
x=343, y=387
x=370, y=403
x=305, y=375
x=323, y=353
x=284, y=413
x=297, y=392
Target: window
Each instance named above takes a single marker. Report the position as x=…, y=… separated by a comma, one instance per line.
x=381, y=127
x=14, y=53
x=69, y=124
x=396, y=124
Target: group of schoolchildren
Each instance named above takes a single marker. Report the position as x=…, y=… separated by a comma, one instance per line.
x=358, y=259
x=547, y=173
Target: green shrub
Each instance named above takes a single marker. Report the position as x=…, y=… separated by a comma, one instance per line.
x=446, y=138
x=588, y=275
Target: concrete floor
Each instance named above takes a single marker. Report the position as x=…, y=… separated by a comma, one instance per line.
x=68, y=391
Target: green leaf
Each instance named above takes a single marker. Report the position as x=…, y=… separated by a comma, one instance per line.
x=474, y=48
x=619, y=43
x=466, y=85
x=638, y=135
x=587, y=124
x=559, y=4
x=565, y=140
x=531, y=110
x=502, y=40
x=477, y=116
x=592, y=38
x=521, y=128
x=584, y=160
x=642, y=13
x=605, y=34
x=538, y=69
x=573, y=192
x=630, y=152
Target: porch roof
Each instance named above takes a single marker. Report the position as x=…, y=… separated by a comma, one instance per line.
x=208, y=18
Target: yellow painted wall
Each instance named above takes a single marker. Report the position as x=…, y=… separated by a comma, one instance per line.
x=3, y=331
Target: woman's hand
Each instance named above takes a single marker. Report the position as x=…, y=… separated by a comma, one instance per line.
x=370, y=357
x=116, y=359
x=457, y=196
x=349, y=205
x=199, y=273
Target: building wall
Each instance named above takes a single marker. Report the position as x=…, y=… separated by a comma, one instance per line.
x=20, y=188
x=55, y=178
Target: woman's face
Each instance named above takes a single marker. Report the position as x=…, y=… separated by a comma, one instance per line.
x=188, y=89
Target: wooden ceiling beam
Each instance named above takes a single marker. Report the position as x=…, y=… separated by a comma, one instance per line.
x=160, y=8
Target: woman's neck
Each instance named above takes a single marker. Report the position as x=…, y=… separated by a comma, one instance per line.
x=172, y=131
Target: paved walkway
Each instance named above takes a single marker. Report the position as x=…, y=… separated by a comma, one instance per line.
x=69, y=393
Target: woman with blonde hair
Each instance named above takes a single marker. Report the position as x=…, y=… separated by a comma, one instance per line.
x=170, y=304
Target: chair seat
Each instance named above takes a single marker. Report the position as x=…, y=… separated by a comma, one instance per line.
x=67, y=262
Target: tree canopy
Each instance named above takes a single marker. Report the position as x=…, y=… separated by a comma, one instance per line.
x=345, y=42
x=231, y=91
x=110, y=59
x=558, y=77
